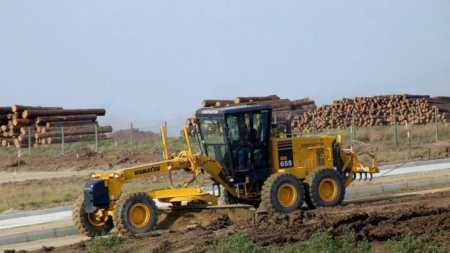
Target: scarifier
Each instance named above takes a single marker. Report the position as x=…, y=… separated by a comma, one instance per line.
x=248, y=161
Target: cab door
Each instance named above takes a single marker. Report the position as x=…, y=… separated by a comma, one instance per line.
x=249, y=138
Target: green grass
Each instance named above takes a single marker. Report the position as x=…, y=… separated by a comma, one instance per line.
x=324, y=242
x=319, y=242
x=23, y=197
x=111, y=243
x=408, y=243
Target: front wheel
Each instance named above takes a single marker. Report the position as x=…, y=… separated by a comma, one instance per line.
x=324, y=187
x=135, y=213
x=88, y=223
x=282, y=193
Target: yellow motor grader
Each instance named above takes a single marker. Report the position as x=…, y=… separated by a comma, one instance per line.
x=248, y=161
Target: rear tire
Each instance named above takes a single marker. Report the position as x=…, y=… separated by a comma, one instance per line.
x=87, y=224
x=135, y=213
x=324, y=187
x=282, y=193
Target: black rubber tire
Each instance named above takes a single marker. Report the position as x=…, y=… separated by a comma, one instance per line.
x=312, y=183
x=226, y=198
x=128, y=203
x=83, y=223
x=270, y=193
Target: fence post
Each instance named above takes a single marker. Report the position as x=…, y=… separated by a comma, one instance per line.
x=436, y=122
x=62, y=139
x=96, y=138
x=29, y=140
x=353, y=127
x=409, y=138
x=117, y=151
x=395, y=127
x=314, y=123
x=131, y=136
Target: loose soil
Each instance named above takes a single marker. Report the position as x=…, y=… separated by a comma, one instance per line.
x=378, y=221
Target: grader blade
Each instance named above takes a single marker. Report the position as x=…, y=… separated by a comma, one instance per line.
x=184, y=216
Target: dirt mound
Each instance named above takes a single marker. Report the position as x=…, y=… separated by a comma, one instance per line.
x=175, y=219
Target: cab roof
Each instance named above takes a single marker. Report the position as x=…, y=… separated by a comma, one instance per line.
x=219, y=111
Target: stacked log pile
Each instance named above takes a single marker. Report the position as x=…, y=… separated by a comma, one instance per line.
x=368, y=111
x=46, y=125
x=282, y=108
x=374, y=111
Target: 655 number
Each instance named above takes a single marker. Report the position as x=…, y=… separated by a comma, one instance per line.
x=284, y=162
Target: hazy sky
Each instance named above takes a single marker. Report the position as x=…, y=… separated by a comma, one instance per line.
x=157, y=60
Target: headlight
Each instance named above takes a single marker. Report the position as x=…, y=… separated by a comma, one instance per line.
x=93, y=175
x=116, y=175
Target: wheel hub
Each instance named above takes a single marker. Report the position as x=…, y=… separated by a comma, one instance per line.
x=328, y=189
x=139, y=215
x=287, y=195
x=96, y=220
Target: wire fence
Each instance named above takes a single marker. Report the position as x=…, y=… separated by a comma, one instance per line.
x=361, y=129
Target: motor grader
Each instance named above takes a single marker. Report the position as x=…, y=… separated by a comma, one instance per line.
x=248, y=161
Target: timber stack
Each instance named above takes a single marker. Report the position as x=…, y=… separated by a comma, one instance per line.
x=366, y=111
x=374, y=111
x=283, y=108
x=34, y=125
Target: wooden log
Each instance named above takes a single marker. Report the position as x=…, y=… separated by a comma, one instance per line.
x=80, y=131
x=3, y=117
x=66, y=128
x=222, y=103
x=7, y=140
x=20, y=146
x=25, y=130
x=14, y=115
x=24, y=139
x=21, y=108
x=71, y=123
x=23, y=122
x=13, y=133
x=75, y=138
x=408, y=96
x=239, y=100
x=5, y=110
x=43, y=120
x=283, y=101
x=209, y=102
x=303, y=101
x=66, y=112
